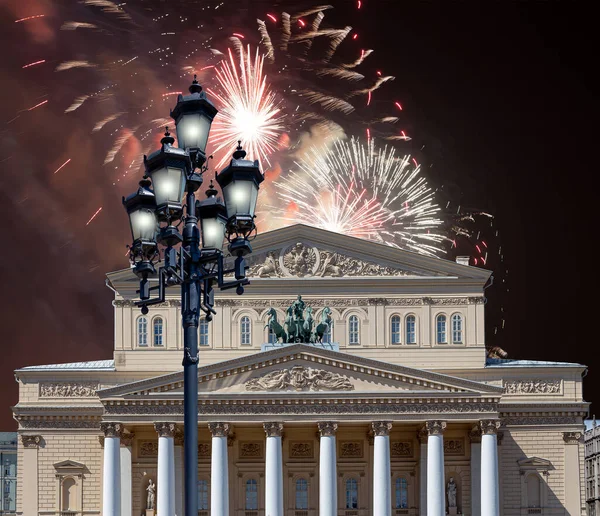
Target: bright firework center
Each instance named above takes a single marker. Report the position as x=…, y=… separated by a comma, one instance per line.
x=401, y=410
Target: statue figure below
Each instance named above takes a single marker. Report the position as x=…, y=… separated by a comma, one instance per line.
x=451, y=493
x=299, y=325
x=150, y=499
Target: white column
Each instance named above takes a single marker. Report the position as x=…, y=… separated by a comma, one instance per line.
x=111, y=474
x=436, y=497
x=165, y=480
x=327, y=469
x=572, y=473
x=219, y=476
x=179, y=472
x=126, y=478
x=423, y=436
x=490, y=499
x=273, y=470
x=31, y=444
x=475, y=436
x=382, y=485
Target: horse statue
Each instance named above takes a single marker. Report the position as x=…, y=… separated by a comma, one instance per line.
x=308, y=325
x=293, y=328
x=274, y=325
x=324, y=325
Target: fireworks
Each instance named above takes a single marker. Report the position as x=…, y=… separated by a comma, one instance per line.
x=248, y=108
x=364, y=191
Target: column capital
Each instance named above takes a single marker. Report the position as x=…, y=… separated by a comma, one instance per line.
x=111, y=429
x=475, y=433
x=381, y=428
x=127, y=438
x=165, y=429
x=273, y=428
x=422, y=434
x=179, y=437
x=489, y=426
x=31, y=441
x=435, y=427
x=572, y=437
x=218, y=429
x=327, y=428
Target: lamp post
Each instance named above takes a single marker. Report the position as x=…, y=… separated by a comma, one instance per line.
x=175, y=173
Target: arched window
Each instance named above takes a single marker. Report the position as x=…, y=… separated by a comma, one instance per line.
x=354, y=330
x=251, y=503
x=395, y=329
x=142, y=331
x=203, y=332
x=411, y=329
x=203, y=495
x=69, y=495
x=157, y=331
x=245, y=332
x=442, y=337
x=401, y=493
x=533, y=491
x=351, y=493
x=301, y=494
x=457, y=329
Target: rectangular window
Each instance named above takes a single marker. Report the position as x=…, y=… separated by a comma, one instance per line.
x=354, y=330
x=245, y=331
x=441, y=330
x=395, y=330
x=203, y=333
x=411, y=330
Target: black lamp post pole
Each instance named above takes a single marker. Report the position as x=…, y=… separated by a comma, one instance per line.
x=190, y=304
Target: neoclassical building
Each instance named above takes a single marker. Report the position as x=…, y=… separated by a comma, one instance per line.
x=400, y=409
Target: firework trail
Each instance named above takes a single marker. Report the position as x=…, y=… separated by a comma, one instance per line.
x=67, y=65
x=77, y=103
x=366, y=191
x=73, y=25
x=99, y=125
x=63, y=165
x=94, y=216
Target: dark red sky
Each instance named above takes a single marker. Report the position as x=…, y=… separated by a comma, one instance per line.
x=499, y=94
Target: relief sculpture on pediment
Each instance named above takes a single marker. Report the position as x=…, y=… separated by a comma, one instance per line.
x=300, y=378
x=301, y=260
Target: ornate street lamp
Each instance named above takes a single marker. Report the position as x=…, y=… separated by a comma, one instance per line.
x=176, y=172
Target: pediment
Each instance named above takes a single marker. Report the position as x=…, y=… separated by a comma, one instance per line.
x=534, y=463
x=299, y=370
x=69, y=466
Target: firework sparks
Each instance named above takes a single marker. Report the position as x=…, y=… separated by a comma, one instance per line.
x=20, y=20
x=67, y=65
x=34, y=63
x=63, y=165
x=77, y=103
x=249, y=109
x=37, y=105
x=105, y=121
x=73, y=25
x=94, y=216
x=364, y=191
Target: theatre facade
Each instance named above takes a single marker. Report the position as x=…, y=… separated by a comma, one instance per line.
x=401, y=409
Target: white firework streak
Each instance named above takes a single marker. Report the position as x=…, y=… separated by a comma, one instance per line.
x=77, y=103
x=363, y=191
x=99, y=125
x=73, y=25
x=67, y=65
x=249, y=109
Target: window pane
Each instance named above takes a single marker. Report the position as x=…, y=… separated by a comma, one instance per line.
x=533, y=491
x=202, y=495
x=158, y=331
x=301, y=494
x=245, y=331
x=411, y=330
x=251, y=495
x=441, y=329
x=401, y=493
x=351, y=494
x=457, y=328
x=142, y=331
x=395, y=329
x=354, y=330
x=203, y=332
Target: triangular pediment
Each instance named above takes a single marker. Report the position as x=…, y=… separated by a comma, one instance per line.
x=299, y=369
x=534, y=463
x=69, y=465
x=309, y=253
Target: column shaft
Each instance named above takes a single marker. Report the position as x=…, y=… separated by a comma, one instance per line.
x=178, y=476
x=382, y=485
x=436, y=497
x=165, y=496
x=111, y=474
x=219, y=476
x=422, y=435
x=273, y=470
x=126, y=480
x=328, y=504
x=475, y=437
x=490, y=498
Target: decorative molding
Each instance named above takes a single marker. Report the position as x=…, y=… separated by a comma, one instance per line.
x=273, y=429
x=422, y=434
x=127, y=438
x=449, y=301
x=475, y=434
x=476, y=300
x=435, y=427
x=351, y=449
x=31, y=441
x=455, y=446
x=204, y=450
x=399, y=449
x=148, y=448
x=219, y=429
x=381, y=428
x=251, y=449
x=179, y=437
x=572, y=437
x=45, y=424
x=68, y=390
x=300, y=378
x=111, y=429
x=542, y=420
x=489, y=426
x=301, y=260
x=301, y=450
x=165, y=429
x=129, y=303
x=327, y=428
x=533, y=386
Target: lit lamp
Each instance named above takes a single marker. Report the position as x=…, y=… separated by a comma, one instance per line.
x=212, y=214
x=193, y=117
x=239, y=182
x=141, y=207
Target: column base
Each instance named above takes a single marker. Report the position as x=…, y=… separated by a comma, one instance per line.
x=149, y=512
x=452, y=511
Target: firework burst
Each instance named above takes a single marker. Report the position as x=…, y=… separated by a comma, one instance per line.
x=364, y=191
x=248, y=109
